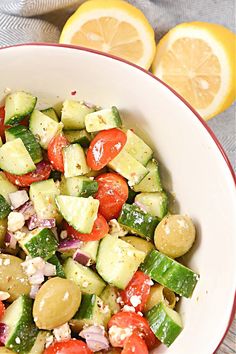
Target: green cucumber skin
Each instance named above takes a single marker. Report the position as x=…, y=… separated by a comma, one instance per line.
x=18, y=117
x=81, y=137
x=164, y=328
x=152, y=181
x=109, y=297
x=31, y=144
x=51, y=113
x=170, y=273
x=26, y=330
x=116, y=116
x=59, y=268
x=134, y=219
x=86, y=308
x=89, y=188
x=42, y=245
x=5, y=208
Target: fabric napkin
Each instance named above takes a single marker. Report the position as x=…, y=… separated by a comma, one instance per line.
x=23, y=21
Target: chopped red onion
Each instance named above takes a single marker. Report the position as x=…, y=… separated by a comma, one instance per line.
x=18, y=198
x=95, y=338
x=34, y=222
x=34, y=290
x=69, y=244
x=27, y=210
x=10, y=240
x=82, y=258
x=3, y=332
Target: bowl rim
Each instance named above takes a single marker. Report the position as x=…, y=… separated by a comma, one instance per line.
x=197, y=115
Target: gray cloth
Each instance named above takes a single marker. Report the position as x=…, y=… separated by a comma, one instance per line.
x=24, y=21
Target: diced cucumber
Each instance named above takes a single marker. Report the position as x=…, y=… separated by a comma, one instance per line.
x=152, y=181
x=137, y=148
x=155, y=203
x=117, y=261
x=79, y=186
x=39, y=344
x=138, y=221
x=5, y=208
x=43, y=127
x=39, y=243
x=81, y=137
x=139, y=243
x=128, y=167
x=17, y=106
x=169, y=273
x=78, y=212
x=73, y=114
x=43, y=196
x=6, y=187
x=103, y=119
x=1, y=143
x=74, y=161
x=88, y=281
x=22, y=331
x=91, y=312
x=165, y=323
x=109, y=297
x=15, y=159
x=91, y=249
x=59, y=268
x=30, y=142
x=51, y=113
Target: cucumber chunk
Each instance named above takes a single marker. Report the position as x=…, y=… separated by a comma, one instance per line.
x=88, y=281
x=22, y=331
x=17, y=106
x=155, y=203
x=43, y=195
x=78, y=212
x=31, y=144
x=138, y=221
x=73, y=114
x=128, y=167
x=79, y=186
x=74, y=161
x=43, y=127
x=39, y=243
x=91, y=249
x=103, y=119
x=51, y=113
x=59, y=268
x=91, y=312
x=137, y=148
x=6, y=187
x=169, y=273
x=78, y=136
x=152, y=181
x=117, y=261
x=5, y=208
x=14, y=158
x=165, y=323
x=109, y=297
x=39, y=344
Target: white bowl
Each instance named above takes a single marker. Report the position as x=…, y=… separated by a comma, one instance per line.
x=194, y=164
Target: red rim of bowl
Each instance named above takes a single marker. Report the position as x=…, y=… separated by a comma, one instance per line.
x=197, y=115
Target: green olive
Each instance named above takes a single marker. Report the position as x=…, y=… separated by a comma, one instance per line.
x=139, y=243
x=12, y=277
x=174, y=235
x=3, y=229
x=56, y=303
x=4, y=350
x=159, y=293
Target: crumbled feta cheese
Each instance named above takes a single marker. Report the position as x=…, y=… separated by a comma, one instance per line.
x=135, y=300
x=128, y=308
x=116, y=229
x=15, y=221
x=17, y=340
x=36, y=268
x=150, y=282
x=117, y=334
x=4, y=295
x=119, y=301
x=62, y=333
x=140, y=313
x=49, y=340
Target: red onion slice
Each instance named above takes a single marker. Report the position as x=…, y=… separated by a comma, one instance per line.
x=34, y=222
x=95, y=338
x=27, y=210
x=69, y=244
x=18, y=198
x=82, y=258
x=3, y=332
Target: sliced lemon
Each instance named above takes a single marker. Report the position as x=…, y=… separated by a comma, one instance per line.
x=114, y=27
x=198, y=60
